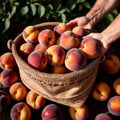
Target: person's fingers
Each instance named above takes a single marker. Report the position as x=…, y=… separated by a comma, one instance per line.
x=72, y=23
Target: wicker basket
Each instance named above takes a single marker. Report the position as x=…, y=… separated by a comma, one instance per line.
x=71, y=89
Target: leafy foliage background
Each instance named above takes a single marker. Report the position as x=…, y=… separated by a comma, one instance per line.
x=15, y=15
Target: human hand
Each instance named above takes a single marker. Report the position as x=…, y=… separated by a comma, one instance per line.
x=80, y=21
x=99, y=37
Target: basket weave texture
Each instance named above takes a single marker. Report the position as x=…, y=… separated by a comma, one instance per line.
x=71, y=89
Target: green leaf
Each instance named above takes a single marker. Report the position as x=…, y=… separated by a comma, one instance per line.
x=110, y=17
x=33, y=9
x=13, y=11
x=87, y=5
x=41, y=10
x=63, y=17
x=7, y=24
x=80, y=1
x=24, y=10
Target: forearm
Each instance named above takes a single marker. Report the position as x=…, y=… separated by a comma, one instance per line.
x=100, y=9
x=112, y=32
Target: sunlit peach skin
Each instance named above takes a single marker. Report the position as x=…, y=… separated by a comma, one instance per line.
x=30, y=34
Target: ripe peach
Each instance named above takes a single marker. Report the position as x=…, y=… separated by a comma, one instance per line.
x=91, y=47
x=61, y=28
x=116, y=85
x=59, y=69
x=5, y=100
x=75, y=59
x=55, y=55
x=46, y=37
x=111, y=64
x=101, y=91
x=41, y=48
x=25, y=49
x=20, y=111
x=37, y=59
x=52, y=112
x=113, y=105
x=18, y=91
x=80, y=113
x=30, y=34
x=102, y=116
x=79, y=31
x=7, y=61
x=69, y=40
x=8, y=77
x=35, y=101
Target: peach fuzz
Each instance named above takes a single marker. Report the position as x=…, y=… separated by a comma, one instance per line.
x=59, y=69
x=101, y=91
x=7, y=61
x=116, y=85
x=55, y=55
x=75, y=59
x=25, y=49
x=103, y=116
x=91, y=47
x=18, y=91
x=20, y=111
x=69, y=40
x=61, y=28
x=111, y=64
x=80, y=113
x=34, y=100
x=41, y=48
x=79, y=31
x=37, y=59
x=113, y=105
x=8, y=77
x=46, y=37
x=30, y=34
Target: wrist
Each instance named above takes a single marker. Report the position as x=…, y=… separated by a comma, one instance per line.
x=106, y=40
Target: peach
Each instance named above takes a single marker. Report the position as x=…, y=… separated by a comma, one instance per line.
x=91, y=47
x=7, y=61
x=75, y=59
x=8, y=77
x=116, y=85
x=5, y=100
x=55, y=55
x=113, y=105
x=18, y=91
x=46, y=37
x=30, y=34
x=37, y=59
x=34, y=100
x=102, y=116
x=80, y=113
x=52, y=112
x=61, y=28
x=20, y=111
x=25, y=49
x=41, y=48
x=59, y=69
x=79, y=31
x=101, y=91
x=111, y=64
x=69, y=40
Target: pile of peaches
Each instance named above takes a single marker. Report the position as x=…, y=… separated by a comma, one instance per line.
x=59, y=50
x=21, y=103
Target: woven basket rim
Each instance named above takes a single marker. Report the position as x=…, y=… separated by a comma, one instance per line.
x=87, y=68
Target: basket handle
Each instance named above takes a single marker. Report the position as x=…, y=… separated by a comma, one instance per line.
x=9, y=44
